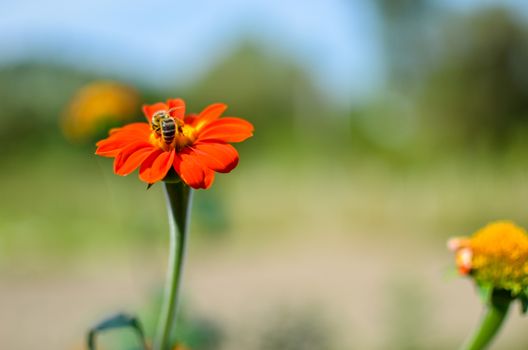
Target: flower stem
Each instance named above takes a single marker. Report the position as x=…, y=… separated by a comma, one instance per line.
x=491, y=321
x=179, y=199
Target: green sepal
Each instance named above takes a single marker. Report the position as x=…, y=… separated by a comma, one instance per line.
x=172, y=177
x=485, y=292
x=524, y=304
x=523, y=298
x=117, y=321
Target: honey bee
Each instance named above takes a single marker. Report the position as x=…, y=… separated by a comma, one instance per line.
x=165, y=126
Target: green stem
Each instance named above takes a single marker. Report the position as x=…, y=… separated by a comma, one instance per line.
x=179, y=199
x=491, y=321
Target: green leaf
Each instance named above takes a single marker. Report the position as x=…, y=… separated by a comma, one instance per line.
x=117, y=321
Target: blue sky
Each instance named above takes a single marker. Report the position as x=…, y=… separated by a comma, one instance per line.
x=337, y=41
x=159, y=40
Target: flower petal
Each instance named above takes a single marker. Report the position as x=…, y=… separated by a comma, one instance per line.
x=219, y=157
x=191, y=171
x=176, y=108
x=149, y=110
x=132, y=156
x=208, y=178
x=209, y=114
x=156, y=166
x=191, y=119
x=122, y=137
x=226, y=130
x=111, y=147
x=135, y=128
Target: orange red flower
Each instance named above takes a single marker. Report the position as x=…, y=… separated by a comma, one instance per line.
x=195, y=146
x=98, y=104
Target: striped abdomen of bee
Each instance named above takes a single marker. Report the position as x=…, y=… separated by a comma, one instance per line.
x=164, y=126
x=168, y=130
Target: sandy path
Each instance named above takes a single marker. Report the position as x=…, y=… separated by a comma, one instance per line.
x=358, y=287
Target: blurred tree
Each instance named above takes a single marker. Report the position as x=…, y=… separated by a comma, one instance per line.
x=477, y=91
x=388, y=126
x=408, y=26
x=33, y=96
x=272, y=92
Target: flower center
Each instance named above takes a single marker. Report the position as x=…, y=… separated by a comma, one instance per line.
x=168, y=132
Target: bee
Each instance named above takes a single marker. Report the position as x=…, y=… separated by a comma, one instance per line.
x=165, y=126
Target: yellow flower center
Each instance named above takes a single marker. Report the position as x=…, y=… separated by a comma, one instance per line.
x=500, y=256
x=173, y=133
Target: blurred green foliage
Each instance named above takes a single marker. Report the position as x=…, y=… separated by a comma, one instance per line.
x=466, y=99
x=441, y=148
x=454, y=82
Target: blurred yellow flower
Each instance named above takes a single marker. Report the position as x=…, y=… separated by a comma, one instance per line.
x=495, y=256
x=98, y=105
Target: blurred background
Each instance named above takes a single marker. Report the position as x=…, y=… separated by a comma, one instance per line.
x=382, y=128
